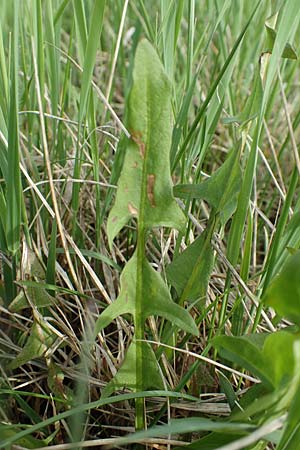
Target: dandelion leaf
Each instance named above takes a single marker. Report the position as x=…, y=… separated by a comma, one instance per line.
x=189, y=273
x=126, y=376
x=220, y=190
x=145, y=184
x=156, y=299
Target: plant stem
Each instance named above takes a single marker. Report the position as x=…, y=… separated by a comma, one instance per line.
x=140, y=422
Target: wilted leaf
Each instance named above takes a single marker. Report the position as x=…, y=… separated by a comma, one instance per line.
x=245, y=353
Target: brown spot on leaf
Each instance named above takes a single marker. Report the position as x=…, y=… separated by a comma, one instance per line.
x=150, y=189
x=136, y=136
x=114, y=219
x=135, y=164
x=132, y=209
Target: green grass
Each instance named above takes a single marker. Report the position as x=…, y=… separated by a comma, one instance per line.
x=149, y=227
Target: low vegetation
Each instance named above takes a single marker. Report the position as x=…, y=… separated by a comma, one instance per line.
x=149, y=228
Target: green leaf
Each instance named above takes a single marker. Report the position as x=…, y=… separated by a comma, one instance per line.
x=226, y=387
x=288, y=52
x=245, y=353
x=274, y=372
x=279, y=356
x=32, y=269
x=283, y=293
x=40, y=340
x=51, y=261
x=145, y=185
x=92, y=405
x=253, y=103
x=189, y=273
x=127, y=374
x=291, y=436
x=90, y=53
x=14, y=201
x=220, y=190
x=55, y=381
x=9, y=431
x=212, y=441
x=145, y=193
x=156, y=299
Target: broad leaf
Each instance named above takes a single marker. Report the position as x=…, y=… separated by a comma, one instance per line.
x=40, y=340
x=145, y=193
x=156, y=299
x=283, y=293
x=145, y=185
x=189, y=273
x=245, y=353
x=279, y=356
x=289, y=51
x=291, y=436
x=212, y=442
x=220, y=190
x=7, y=431
x=273, y=362
x=127, y=375
x=227, y=389
x=31, y=270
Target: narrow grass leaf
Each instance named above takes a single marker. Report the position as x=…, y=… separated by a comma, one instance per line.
x=90, y=53
x=212, y=442
x=51, y=261
x=13, y=160
x=88, y=406
x=213, y=89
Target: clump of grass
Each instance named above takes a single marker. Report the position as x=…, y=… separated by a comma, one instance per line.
x=89, y=274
